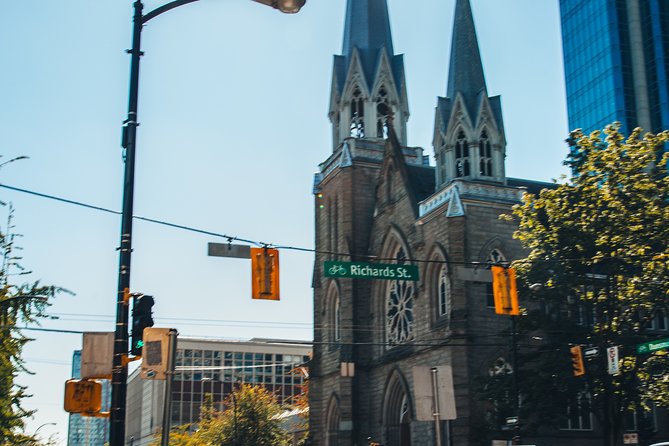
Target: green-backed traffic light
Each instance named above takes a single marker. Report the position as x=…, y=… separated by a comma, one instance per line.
x=141, y=319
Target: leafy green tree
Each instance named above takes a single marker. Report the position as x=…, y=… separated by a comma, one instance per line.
x=250, y=418
x=19, y=304
x=599, y=258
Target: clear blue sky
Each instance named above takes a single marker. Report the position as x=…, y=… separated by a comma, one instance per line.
x=233, y=112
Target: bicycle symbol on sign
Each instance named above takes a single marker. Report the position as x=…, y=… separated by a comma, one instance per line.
x=337, y=270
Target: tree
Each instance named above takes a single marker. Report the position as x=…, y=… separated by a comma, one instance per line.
x=24, y=303
x=250, y=418
x=599, y=252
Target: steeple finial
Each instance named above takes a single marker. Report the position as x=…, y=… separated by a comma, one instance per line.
x=466, y=70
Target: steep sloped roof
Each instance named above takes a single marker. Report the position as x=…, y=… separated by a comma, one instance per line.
x=367, y=31
x=465, y=68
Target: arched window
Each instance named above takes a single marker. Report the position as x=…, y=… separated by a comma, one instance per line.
x=332, y=434
x=485, y=155
x=461, y=155
x=444, y=292
x=357, y=114
x=399, y=307
x=333, y=317
x=382, y=113
x=397, y=414
x=495, y=257
x=336, y=325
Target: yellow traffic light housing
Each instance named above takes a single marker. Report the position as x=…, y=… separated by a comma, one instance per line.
x=505, y=291
x=577, y=360
x=83, y=396
x=265, y=273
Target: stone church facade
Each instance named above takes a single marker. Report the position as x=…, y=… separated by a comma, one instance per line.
x=379, y=200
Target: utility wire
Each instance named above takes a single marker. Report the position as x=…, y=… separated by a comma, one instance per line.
x=369, y=257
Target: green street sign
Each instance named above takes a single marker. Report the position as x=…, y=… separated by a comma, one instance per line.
x=649, y=347
x=360, y=270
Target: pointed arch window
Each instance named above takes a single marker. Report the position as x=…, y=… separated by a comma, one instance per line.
x=399, y=307
x=444, y=292
x=495, y=257
x=357, y=114
x=336, y=319
x=461, y=156
x=382, y=113
x=397, y=415
x=332, y=435
x=485, y=155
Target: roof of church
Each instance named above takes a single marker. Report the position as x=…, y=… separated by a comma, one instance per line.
x=422, y=181
x=532, y=186
x=367, y=31
x=465, y=69
x=367, y=26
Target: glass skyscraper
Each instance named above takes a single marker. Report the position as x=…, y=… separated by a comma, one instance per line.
x=616, y=59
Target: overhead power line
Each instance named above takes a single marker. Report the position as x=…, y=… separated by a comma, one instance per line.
x=231, y=238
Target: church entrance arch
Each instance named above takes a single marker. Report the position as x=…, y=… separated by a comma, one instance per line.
x=397, y=412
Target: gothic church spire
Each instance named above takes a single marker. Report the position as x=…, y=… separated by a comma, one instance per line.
x=367, y=27
x=469, y=141
x=368, y=85
x=465, y=70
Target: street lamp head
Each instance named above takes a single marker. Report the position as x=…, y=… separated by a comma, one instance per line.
x=285, y=6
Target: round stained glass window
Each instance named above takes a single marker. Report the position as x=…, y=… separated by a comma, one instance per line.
x=399, y=307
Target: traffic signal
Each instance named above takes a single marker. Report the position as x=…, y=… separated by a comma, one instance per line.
x=83, y=396
x=265, y=273
x=141, y=319
x=577, y=360
x=156, y=353
x=504, y=290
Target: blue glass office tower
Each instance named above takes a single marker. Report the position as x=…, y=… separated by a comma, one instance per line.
x=616, y=58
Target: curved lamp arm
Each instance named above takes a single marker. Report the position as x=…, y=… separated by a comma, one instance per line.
x=285, y=6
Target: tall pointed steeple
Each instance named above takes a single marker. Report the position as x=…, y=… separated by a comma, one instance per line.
x=465, y=70
x=367, y=26
x=469, y=142
x=368, y=85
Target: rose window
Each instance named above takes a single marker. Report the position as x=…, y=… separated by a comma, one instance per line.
x=399, y=312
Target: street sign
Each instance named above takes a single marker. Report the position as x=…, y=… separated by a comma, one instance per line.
x=361, y=270
x=590, y=352
x=613, y=360
x=434, y=392
x=229, y=250
x=97, y=355
x=649, y=347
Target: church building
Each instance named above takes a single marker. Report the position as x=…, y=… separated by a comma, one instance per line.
x=380, y=342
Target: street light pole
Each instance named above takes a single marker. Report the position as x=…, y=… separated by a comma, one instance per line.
x=119, y=366
x=129, y=143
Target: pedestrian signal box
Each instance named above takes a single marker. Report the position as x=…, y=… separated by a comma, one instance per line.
x=155, y=353
x=505, y=291
x=265, y=273
x=83, y=396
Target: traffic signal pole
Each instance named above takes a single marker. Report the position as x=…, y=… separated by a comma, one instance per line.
x=120, y=368
x=129, y=140
x=515, y=390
